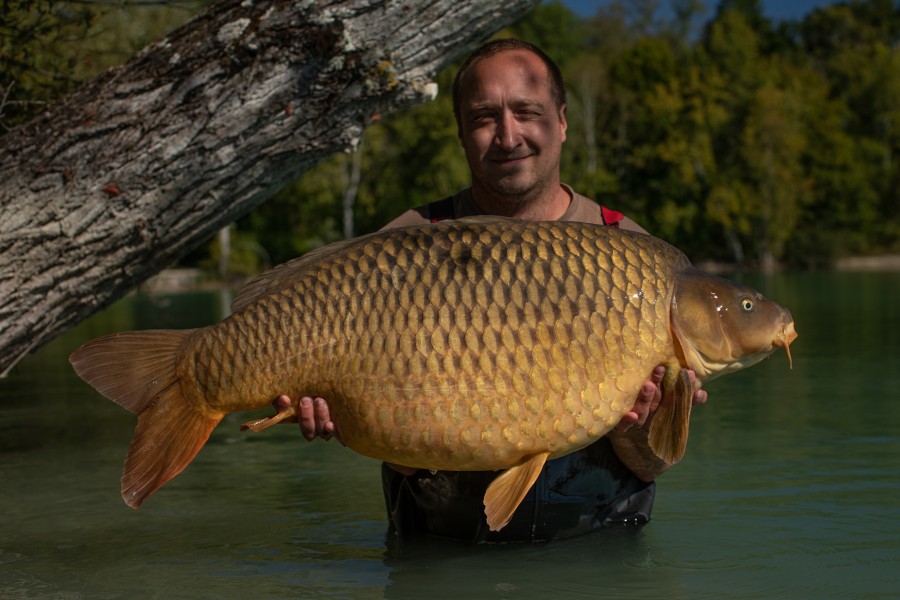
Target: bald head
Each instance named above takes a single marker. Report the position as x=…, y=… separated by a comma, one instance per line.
x=552, y=73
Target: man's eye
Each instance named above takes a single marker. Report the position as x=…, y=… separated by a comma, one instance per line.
x=529, y=112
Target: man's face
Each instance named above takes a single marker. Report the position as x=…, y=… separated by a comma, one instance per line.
x=510, y=127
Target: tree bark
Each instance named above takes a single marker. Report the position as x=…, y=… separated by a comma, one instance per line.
x=130, y=172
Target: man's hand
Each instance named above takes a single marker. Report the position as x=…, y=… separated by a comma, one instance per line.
x=312, y=415
x=649, y=397
x=315, y=421
x=629, y=437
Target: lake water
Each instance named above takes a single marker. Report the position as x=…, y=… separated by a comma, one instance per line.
x=790, y=487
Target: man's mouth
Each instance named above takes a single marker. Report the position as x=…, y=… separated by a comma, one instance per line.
x=510, y=160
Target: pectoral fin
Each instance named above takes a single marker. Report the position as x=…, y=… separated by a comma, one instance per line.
x=288, y=415
x=506, y=492
x=669, y=429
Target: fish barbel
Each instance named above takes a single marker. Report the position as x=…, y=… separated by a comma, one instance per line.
x=475, y=344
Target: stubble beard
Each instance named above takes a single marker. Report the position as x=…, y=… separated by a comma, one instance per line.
x=511, y=195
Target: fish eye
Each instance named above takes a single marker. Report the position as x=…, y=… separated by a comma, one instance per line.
x=747, y=304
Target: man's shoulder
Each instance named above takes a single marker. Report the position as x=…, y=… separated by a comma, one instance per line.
x=449, y=207
x=582, y=209
x=414, y=216
x=585, y=210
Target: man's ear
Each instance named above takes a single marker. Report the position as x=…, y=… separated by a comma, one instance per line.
x=563, y=125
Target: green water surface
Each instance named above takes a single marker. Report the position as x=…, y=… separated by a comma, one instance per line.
x=790, y=487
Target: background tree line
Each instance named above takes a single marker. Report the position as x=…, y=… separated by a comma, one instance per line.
x=733, y=137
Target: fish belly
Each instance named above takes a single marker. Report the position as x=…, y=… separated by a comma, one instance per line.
x=455, y=346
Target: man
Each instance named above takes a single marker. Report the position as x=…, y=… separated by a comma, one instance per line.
x=510, y=108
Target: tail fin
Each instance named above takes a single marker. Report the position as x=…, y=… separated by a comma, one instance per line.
x=136, y=370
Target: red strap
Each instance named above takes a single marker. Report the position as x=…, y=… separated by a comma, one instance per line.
x=611, y=218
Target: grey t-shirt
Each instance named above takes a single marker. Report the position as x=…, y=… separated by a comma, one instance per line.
x=581, y=209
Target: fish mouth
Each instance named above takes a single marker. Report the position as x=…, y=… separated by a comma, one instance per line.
x=784, y=340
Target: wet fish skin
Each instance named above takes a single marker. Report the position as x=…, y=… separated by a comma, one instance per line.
x=469, y=348
x=465, y=345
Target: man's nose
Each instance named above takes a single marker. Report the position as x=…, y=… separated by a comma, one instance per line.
x=507, y=136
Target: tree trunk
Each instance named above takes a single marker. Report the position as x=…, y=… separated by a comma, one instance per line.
x=127, y=174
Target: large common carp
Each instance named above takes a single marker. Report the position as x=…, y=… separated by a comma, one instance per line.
x=476, y=344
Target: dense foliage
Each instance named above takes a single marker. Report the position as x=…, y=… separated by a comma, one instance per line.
x=49, y=47
x=733, y=137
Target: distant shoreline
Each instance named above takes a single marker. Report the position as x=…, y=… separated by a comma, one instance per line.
x=888, y=262
x=186, y=279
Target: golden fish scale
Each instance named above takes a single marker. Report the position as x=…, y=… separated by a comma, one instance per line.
x=458, y=346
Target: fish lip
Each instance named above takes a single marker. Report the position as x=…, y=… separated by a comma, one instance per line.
x=789, y=334
x=785, y=339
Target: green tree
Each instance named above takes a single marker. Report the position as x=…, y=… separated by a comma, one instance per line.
x=415, y=157
x=554, y=28
x=773, y=144
x=408, y=159
x=855, y=46
x=735, y=70
x=750, y=12
x=754, y=142
x=49, y=47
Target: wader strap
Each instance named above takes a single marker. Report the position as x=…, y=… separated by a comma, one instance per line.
x=611, y=218
x=441, y=210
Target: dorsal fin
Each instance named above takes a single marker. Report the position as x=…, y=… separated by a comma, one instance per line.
x=280, y=276
x=486, y=220
x=506, y=492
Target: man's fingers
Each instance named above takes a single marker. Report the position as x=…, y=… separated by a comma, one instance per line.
x=700, y=397
x=324, y=426
x=652, y=390
x=307, y=418
x=628, y=421
x=281, y=403
x=648, y=391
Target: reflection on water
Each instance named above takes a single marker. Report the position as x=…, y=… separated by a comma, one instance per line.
x=788, y=489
